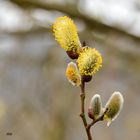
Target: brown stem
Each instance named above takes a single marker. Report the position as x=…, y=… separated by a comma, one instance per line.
x=94, y=121
x=82, y=114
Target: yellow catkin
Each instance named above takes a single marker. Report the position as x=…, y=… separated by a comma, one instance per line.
x=72, y=74
x=89, y=61
x=65, y=33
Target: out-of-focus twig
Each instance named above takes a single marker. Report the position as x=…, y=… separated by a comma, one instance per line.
x=73, y=11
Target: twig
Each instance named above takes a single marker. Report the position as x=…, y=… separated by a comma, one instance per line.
x=82, y=114
x=94, y=121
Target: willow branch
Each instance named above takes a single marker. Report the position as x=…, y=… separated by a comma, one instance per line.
x=82, y=114
x=94, y=121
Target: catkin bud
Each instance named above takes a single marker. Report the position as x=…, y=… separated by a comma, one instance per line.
x=72, y=74
x=113, y=107
x=95, y=108
x=86, y=78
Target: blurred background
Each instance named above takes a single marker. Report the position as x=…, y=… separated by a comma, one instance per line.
x=36, y=100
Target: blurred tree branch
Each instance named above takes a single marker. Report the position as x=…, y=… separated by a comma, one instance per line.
x=95, y=30
x=73, y=11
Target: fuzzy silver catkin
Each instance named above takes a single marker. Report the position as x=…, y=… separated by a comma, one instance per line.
x=113, y=106
x=95, y=107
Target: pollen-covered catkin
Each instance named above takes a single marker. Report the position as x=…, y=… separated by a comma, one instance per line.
x=89, y=61
x=65, y=33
